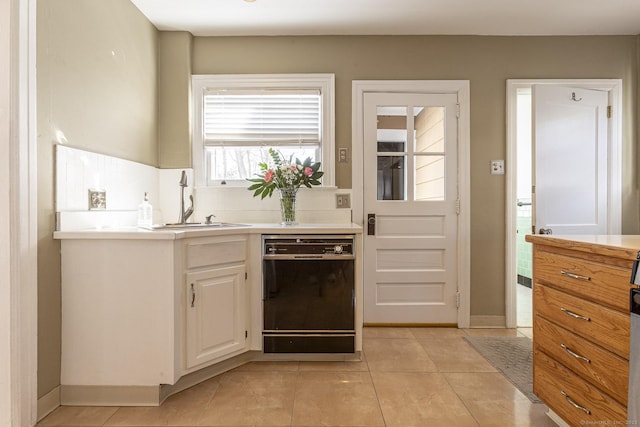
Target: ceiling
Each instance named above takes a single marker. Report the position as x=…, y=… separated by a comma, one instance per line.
x=394, y=17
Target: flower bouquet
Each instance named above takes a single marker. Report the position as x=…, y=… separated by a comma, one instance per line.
x=286, y=176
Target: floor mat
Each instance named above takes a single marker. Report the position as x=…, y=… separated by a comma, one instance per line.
x=513, y=356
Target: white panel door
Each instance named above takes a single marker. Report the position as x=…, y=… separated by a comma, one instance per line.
x=570, y=160
x=410, y=202
x=215, y=315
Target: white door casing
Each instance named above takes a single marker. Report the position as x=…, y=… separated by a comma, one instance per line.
x=613, y=88
x=408, y=255
x=569, y=158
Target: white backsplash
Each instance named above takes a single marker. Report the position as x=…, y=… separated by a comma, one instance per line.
x=234, y=204
x=125, y=182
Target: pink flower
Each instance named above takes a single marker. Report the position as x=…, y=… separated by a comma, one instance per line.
x=268, y=176
x=292, y=167
x=308, y=171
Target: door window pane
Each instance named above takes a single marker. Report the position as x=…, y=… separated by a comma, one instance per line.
x=392, y=129
x=429, y=129
x=391, y=177
x=429, y=178
x=392, y=135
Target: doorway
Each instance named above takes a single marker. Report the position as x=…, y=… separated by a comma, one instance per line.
x=520, y=203
x=415, y=97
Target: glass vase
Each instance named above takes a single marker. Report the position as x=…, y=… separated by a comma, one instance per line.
x=288, y=206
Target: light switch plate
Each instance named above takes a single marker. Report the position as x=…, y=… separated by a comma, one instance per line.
x=497, y=167
x=343, y=201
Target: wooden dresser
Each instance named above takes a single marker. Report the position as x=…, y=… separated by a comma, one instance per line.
x=581, y=326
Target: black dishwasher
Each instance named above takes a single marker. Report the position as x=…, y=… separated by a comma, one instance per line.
x=308, y=293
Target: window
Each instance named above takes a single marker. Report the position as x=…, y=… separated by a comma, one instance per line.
x=238, y=117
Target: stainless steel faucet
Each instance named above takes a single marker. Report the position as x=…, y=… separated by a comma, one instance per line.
x=184, y=214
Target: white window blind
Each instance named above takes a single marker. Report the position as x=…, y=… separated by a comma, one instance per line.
x=237, y=117
x=262, y=117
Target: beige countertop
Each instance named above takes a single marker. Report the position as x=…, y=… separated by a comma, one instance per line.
x=135, y=233
x=620, y=246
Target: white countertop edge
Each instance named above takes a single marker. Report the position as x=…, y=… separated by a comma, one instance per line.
x=135, y=233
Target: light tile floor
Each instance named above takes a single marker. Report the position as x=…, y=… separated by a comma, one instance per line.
x=408, y=377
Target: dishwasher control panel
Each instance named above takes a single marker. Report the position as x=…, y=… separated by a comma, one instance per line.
x=313, y=245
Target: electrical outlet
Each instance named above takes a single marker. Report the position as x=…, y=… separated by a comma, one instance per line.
x=343, y=155
x=497, y=167
x=343, y=201
x=97, y=200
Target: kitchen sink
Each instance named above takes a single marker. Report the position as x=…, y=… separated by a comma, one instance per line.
x=192, y=225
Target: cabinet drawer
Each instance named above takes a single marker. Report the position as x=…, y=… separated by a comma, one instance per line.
x=604, y=369
x=594, y=281
x=216, y=251
x=566, y=394
x=600, y=325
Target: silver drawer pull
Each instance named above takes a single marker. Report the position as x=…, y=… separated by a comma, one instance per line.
x=572, y=314
x=574, y=404
x=576, y=355
x=574, y=276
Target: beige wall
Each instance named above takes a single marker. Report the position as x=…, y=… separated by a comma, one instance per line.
x=174, y=99
x=487, y=62
x=97, y=85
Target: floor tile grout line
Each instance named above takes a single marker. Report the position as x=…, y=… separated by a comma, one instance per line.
x=464, y=403
x=202, y=411
x=106, y=422
x=295, y=394
x=375, y=390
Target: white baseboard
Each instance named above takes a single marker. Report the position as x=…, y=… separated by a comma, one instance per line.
x=48, y=403
x=88, y=395
x=487, y=321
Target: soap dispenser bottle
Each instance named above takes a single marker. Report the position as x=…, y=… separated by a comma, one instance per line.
x=145, y=212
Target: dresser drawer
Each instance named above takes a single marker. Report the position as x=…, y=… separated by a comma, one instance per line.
x=603, y=369
x=608, y=285
x=600, y=325
x=575, y=400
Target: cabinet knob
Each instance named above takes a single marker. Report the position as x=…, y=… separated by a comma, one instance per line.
x=193, y=295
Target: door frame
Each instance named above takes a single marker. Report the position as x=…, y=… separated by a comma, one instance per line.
x=19, y=237
x=614, y=203
x=462, y=90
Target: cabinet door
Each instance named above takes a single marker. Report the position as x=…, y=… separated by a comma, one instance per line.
x=214, y=314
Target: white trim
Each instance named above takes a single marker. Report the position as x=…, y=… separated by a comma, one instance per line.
x=18, y=386
x=324, y=82
x=461, y=88
x=48, y=403
x=614, y=224
x=487, y=322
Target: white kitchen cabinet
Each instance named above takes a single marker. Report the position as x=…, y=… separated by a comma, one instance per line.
x=120, y=302
x=215, y=303
x=215, y=314
x=127, y=319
